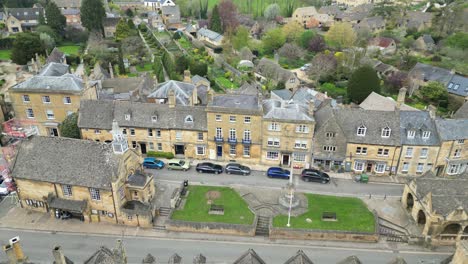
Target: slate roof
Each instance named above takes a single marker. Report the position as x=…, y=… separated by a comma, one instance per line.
x=372, y=23
x=397, y=260
x=247, y=89
x=123, y=88
x=350, y=119
x=332, y=10
x=68, y=3
x=54, y=69
x=458, y=85
x=137, y=179
x=105, y=256
x=284, y=94
x=428, y=39
x=283, y=110
x=110, y=21
x=81, y=162
x=140, y=115
x=267, y=67
x=136, y=207
x=66, y=204
x=304, y=95
x=69, y=83
x=56, y=56
x=171, y=10
x=350, y=260
x=430, y=73
x=238, y=101
x=182, y=90
x=299, y=258
x=70, y=11
x=383, y=42
x=375, y=101
x=197, y=78
x=419, y=121
x=452, y=129
x=26, y=13
x=462, y=112
x=249, y=257
x=448, y=194
x=213, y=36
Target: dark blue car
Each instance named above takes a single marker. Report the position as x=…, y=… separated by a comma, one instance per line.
x=277, y=172
x=153, y=163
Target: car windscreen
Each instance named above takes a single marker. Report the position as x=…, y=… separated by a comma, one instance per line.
x=182, y=163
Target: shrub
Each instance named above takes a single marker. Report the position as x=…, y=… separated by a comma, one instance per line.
x=160, y=154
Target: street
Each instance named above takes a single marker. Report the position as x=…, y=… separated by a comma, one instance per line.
x=337, y=186
x=38, y=246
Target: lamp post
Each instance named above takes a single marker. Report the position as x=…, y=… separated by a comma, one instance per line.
x=291, y=194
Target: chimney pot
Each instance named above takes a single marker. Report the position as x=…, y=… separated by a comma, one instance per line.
x=58, y=255
x=9, y=251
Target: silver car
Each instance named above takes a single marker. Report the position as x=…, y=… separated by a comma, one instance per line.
x=236, y=168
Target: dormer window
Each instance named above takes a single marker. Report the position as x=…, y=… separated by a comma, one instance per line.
x=386, y=132
x=361, y=131
x=411, y=133
x=127, y=117
x=189, y=119
x=426, y=134
x=154, y=119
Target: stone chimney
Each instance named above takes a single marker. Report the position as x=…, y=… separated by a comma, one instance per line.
x=187, y=78
x=15, y=243
x=111, y=71
x=59, y=258
x=8, y=249
x=401, y=97
x=195, y=96
x=172, y=98
x=432, y=111
x=209, y=96
x=311, y=107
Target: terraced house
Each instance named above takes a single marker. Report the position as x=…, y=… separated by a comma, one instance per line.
x=452, y=158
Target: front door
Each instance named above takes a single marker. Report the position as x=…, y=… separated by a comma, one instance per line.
x=369, y=167
x=285, y=159
x=143, y=148
x=219, y=151
x=179, y=149
x=53, y=132
x=439, y=170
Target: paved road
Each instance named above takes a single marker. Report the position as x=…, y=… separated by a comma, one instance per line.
x=257, y=178
x=79, y=247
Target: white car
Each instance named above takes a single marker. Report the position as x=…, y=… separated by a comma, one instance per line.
x=303, y=68
x=3, y=189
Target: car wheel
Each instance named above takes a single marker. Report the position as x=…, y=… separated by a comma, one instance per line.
x=245, y=174
x=185, y=169
x=216, y=172
x=228, y=172
x=324, y=182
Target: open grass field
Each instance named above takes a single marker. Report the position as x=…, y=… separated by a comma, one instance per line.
x=70, y=49
x=352, y=215
x=196, y=207
x=256, y=7
x=5, y=54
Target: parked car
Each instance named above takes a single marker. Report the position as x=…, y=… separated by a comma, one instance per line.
x=153, y=163
x=277, y=172
x=208, y=167
x=177, y=164
x=312, y=175
x=236, y=168
x=4, y=189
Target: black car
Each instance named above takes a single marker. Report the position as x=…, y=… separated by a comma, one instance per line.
x=312, y=175
x=208, y=167
x=236, y=168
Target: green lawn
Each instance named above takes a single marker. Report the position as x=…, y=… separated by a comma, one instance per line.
x=5, y=54
x=70, y=49
x=146, y=67
x=352, y=215
x=225, y=82
x=255, y=7
x=185, y=43
x=196, y=207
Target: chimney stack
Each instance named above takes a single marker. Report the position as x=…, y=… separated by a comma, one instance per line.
x=401, y=97
x=195, y=96
x=432, y=111
x=209, y=96
x=311, y=107
x=59, y=258
x=10, y=254
x=15, y=243
x=172, y=99
x=187, y=78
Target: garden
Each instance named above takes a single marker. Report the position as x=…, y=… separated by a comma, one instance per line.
x=351, y=215
x=201, y=198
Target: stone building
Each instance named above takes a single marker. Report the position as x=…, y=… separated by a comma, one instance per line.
x=235, y=128
x=288, y=129
x=440, y=206
x=452, y=158
x=94, y=182
x=22, y=19
x=269, y=71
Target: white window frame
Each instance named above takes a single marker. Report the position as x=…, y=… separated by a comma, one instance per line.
x=329, y=148
x=453, y=169
x=26, y=98
x=330, y=134
x=424, y=152
x=273, y=142
x=361, y=150
x=232, y=119
x=299, y=157
x=232, y=150
x=150, y=132
x=127, y=117
x=247, y=134
x=67, y=190
x=132, y=132
x=361, y=131
x=420, y=168
x=246, y=151
x=302, y=129
x=189, y=119
x=178, y=135
x=154, y=119
x=67, y=100
x=380, y=167
x=272, y=155
x=200, y=150
x=158, y=133
x=461, y=141
x=300, y=144
x=457, y=153
x=273, y=126
x=358, y=165
x=97, y=131
x=50, y=114
x=95, y=194
x=29, y=112
x=405, y=167
x=411, y=134
x=232, y=133
x=218, y=118
x=247, y=119
x=46, y=99
x=386, y=131
x=151, y=145
x=219, y=132
x=426, y=134
x=409, y=152
x=159, y=146
x=200, y=136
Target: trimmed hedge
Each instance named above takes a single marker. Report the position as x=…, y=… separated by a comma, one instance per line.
x=160, y=154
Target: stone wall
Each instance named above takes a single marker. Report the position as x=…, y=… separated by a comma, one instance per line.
x=316, y=234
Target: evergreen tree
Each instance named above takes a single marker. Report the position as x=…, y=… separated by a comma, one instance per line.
x=25, y=47
x=122, y=30
x=215, y=21
x=54, y=17
x=92, y=13
x=363, y=82
x=69, y=127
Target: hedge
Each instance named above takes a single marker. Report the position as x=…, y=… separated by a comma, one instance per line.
x=160, y=154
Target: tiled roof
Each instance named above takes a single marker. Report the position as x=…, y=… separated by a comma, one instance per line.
x=65, y=83
x=26, y=13
x=183, y=91
x=383, y=42
x=54, y=69
x=70, y=11
x=68, y=3
x=378, y=102
x=462, y=112
x=283, y=94
x=419, y=121
x=284, y=110
x=350, y=260
x=430, y=73
x=249, y=257
x=214, y=36
x=299, y=258
x=458, y=85
x=245, y=102
x=56, y=56
x=452, y=129
x=272, y=69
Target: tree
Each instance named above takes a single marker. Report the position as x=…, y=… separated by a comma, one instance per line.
x=25, y=47
x=291, y=51
x=228, y=15
x=122, y=30
x=69, y=127
x=322, y=66
x=182, y=63
x=240, y=38
x=198, y=67
x=49, y=31
x=434, y=92
x=340, y=35
x=158, y=69
x=54, y=17
x=458, y=40
x=292, y=31
x=272, y=11
x=215, y=21
x=395, y=81
x=363, y=81
x=129, y=12
x=317, y=44
x=305, y=38
x=47, y=41
x=131, y=25
x=92, y=13
x=273, y=40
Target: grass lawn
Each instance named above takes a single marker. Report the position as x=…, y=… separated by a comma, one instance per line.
x=5, y=54
x=255, y=7
x=225, y=82
x=352, y=215
x=185, y=43
x=196, y=207
x=70, y=49
x=146, y=67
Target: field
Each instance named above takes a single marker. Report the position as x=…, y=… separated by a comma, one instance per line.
x=196, y=207
x=5, y=54
x=69, y=49
x=351, y=213
x=256, y=7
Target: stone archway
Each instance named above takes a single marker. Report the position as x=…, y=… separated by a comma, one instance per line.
x=409, y=201
x=452, y=229
x=465, y=231
x=421, y=218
